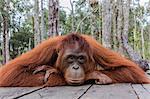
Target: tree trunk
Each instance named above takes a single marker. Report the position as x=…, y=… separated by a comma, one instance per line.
x=72, y=17
x=106, y=22
x=114, y=27
x=1, y=23
x=120, y=25
x=5, y=44
x=131, y=53
x=100, y=24
x=135, y=27
x=134, y=56
x=93, y=24
x=134, y=33
x=43, y=33
x=142, y=41
x=29, y=45
x=53, y=18
x=126, y=8
x=37, y=36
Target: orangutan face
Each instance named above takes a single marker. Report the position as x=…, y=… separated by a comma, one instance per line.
x=73, y=63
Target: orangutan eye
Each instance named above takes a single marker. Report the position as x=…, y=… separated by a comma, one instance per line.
x=81, y=59
x=70, y=59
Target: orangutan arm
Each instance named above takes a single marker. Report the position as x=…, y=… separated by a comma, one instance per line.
x=120, y=74
x=127, y=75
x=55, y=80
x=99, y=77
x=118, y=68
x=19, y=68
x=52, y=76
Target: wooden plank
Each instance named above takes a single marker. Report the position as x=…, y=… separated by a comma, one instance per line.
x=113, y=91
x=147, y=87
x=9, y=92
x=141, y=91
x=62, y=92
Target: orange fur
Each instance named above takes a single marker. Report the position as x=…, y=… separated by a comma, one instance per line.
x=125, y=70
x=20, y=69
x=19, y=72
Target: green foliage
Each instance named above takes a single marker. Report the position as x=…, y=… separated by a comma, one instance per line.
x=19, y=42
x=1, y=58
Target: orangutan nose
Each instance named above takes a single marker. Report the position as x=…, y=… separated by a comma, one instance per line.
x=75, y=67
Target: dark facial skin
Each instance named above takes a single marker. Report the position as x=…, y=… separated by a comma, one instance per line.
x=74, y=62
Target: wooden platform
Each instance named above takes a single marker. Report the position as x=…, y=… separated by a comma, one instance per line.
x=113, y=91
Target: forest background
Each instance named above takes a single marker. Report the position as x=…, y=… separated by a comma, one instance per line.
x=121, y=25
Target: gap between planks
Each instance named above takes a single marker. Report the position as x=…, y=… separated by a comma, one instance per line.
x=26, y=93
x=30, y=92
x=141, y=90
x=135, y=91
x=85, y=91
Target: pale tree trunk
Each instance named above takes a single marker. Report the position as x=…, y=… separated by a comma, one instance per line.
x=29, y=45
x=149, y=42
x=141, y=20
x=142, y=41
x=91, y=20
x=72, y=17
x=81, y=28
x=134, y=33
x=37, y=36
x=1, y=23
x=106, y=22
x=42, y=22
x=120, y=25
x=136, y=57
x=126, y=8
x=53, y=18
x=94, y=28
x=131, y=53
x=135, y=27
x=100, y=24
x=142, y=35
x=5, y=43
x=114, y=27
